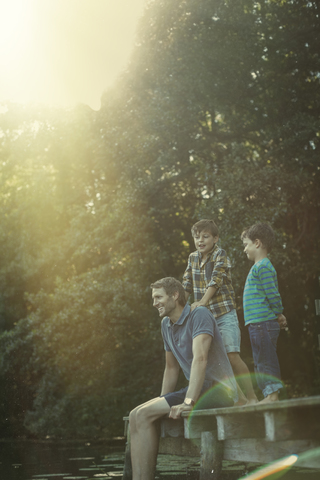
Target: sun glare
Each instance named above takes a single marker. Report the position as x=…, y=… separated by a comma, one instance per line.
x=275, y=467
x=14, y=31
x=64, y=51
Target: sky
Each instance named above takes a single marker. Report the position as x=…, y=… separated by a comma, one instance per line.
x=64, y=52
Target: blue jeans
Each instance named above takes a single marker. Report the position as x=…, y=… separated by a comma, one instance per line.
x=263, y=337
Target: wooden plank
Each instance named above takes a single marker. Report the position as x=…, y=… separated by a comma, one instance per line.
x=211, y=456
x=179, y=446
x=293, y=424
x=263, y=451
x=172, y=428
x=194, y=426
x=258, y=407
x=187, y=427
x=241, y=425
x=126, y=426
x=270, y=426
x=259, y=433
x=127, y=468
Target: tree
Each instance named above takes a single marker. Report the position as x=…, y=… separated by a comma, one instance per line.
x=228, y=93
x=216, y=116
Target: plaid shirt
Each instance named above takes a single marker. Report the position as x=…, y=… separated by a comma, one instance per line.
x=214, y=272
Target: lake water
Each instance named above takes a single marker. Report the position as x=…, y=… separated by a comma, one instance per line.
x=40, y=461
x=89, y=461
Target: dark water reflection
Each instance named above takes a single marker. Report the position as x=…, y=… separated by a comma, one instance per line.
x=40, y=461
x=85, y=461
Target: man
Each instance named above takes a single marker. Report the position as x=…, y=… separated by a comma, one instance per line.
x=193, y=343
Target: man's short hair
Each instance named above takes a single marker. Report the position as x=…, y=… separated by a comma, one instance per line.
x=262, y=232
x=171, y=286
x=205, y=225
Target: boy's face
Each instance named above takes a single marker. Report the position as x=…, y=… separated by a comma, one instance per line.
x=250, y=248
x=204, y=242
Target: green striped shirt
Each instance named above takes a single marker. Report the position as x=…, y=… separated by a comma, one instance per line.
x=261, y=298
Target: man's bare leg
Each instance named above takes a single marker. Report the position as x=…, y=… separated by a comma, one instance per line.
x=241, y=370
x=144, y=437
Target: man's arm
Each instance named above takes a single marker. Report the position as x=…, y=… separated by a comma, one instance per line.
x=171, y=374
x=200, y=349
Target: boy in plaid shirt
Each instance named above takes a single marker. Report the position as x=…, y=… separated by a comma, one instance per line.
x=208, y=277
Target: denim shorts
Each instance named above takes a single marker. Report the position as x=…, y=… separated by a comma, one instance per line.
x=263, y=338
x=212, y=398
x=228, y=325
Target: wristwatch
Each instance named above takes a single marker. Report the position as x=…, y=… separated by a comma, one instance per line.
x=189, y=402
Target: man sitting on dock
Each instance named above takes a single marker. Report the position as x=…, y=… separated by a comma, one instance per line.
x=192, y=341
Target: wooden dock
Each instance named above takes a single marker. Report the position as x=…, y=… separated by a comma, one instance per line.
x=259, y=433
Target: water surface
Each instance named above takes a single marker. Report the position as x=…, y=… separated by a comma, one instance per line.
x=89, y=461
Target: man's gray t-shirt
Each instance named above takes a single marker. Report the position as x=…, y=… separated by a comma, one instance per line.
x=178, y=339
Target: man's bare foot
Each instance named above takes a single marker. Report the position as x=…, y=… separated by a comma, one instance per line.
x=273, y=397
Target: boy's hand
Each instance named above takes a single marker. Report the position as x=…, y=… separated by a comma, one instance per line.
x=195, y=305
x=282, y=321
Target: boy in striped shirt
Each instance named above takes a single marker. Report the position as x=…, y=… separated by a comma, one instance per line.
x=263, y=309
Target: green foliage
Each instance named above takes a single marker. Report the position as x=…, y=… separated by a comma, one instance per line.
x=216, y=116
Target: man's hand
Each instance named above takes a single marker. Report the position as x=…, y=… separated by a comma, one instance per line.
x=282, y=321
x=176, y=410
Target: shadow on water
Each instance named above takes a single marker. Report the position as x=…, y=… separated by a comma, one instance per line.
x=41, y=461
x=85, y=461
x=187, y=468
